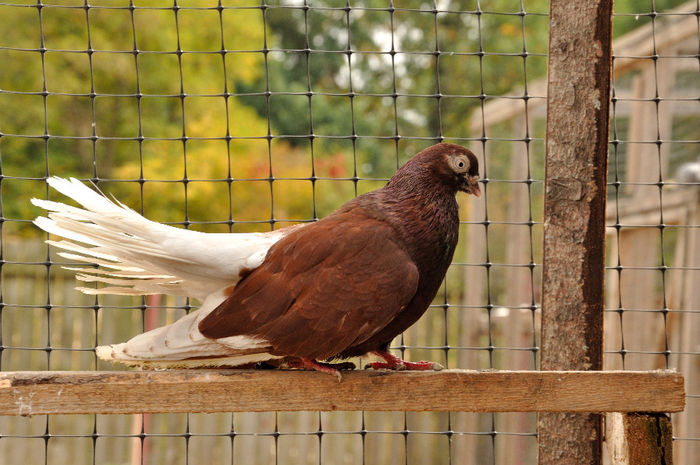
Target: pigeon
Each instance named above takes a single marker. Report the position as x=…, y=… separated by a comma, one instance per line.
x=299, y=297
x=689, y=172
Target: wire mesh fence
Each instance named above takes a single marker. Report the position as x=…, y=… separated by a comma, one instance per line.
x=253, y=115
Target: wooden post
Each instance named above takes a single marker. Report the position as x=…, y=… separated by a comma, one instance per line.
x=472, y=318
x=639, y=438
x=578, y=96
x=142, y=424
x=686, y=295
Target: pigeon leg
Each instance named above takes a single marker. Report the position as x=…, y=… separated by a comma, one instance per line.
x=308, y=364
x=392, y=362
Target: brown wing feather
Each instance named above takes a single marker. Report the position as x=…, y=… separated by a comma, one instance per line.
x=320, y=290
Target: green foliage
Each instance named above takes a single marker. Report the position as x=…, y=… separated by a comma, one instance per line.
x=632, y=14
x=142, y=106
x=395, y=90
x=162, y=116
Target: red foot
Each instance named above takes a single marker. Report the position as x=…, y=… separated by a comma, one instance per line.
x=308, y=364
x=392, y=362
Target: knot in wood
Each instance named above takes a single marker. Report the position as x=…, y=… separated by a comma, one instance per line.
x=565, y=189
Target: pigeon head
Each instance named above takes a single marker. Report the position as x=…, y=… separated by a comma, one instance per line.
x=461, y=167
x=451, y=165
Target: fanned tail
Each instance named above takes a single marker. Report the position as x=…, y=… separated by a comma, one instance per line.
x=137, y=256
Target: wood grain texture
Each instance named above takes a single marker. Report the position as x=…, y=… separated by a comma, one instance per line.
x=35, y=393
x=578, y=100
x=639, y=438
x=575, y=184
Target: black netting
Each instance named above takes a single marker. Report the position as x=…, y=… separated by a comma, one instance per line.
x=237, y=116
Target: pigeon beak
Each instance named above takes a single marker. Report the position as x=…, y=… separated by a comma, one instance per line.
x=471, y=186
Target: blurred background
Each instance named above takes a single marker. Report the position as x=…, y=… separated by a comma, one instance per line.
x=253, y=115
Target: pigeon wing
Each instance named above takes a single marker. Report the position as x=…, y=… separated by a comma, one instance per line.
x=320, y=290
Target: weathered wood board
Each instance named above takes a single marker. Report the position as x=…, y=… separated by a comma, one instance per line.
x=35, y=393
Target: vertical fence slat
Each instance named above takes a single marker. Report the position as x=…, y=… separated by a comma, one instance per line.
x=639, y=438
x=578, y=96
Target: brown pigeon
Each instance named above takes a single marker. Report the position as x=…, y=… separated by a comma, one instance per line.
x=340, y=287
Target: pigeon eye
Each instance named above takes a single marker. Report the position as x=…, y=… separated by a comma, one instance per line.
x=460, y=165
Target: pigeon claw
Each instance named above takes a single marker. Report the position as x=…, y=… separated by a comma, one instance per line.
x=392, y=362
x=308, y=364
x=404, y=365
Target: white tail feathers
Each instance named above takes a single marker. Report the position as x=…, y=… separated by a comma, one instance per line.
x=181, y=345
x=139, y=256
x=107, y=353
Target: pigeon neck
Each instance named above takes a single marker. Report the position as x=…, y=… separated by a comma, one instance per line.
x=426, y=218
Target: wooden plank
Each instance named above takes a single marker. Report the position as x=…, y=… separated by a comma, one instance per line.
x=576, y=144
x=639, y=438
x=83, y=392
x=644, y=210
x=503, y=109
x=656, y=38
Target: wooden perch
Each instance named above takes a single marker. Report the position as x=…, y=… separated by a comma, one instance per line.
x=79, y=392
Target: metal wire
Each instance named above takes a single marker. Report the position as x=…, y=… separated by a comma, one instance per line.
x=472, y=324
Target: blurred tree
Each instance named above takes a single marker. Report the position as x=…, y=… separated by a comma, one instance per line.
x=374, y=82
x=388, y=50
x=90, y=106
x=388, y=58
